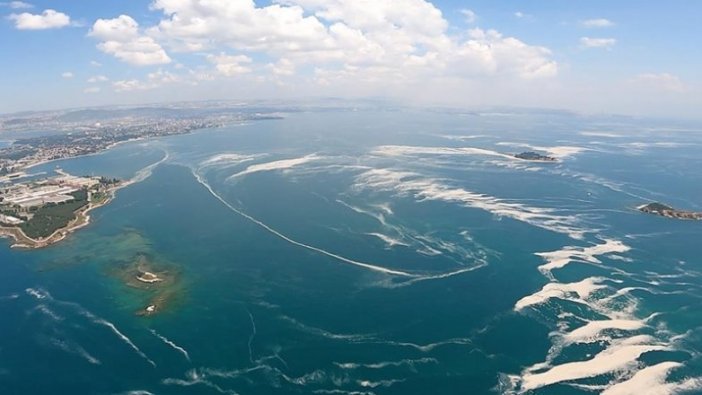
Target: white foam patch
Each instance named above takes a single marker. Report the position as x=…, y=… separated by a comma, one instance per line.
x=252, y=336
x=652, y=381
x=590, y=332
x=122, y=336
x=380, y=383
x=561, y=258
x=431, y=346
x=388, y=240
x=619, y=356
x=195, y=378
x=601, y=134
x=276, y=165
x=369, y=266
x=356, y=338
x=583, y=289
x=147, y=171
x=76, y=349
x=315, y=377
x=228, y=159
x=42, y=294
x=10, y=297
x=48, y=312
x=463, y=137
x=406, y=150
x=408, y=183
x=411, y=363
x=38, y=293
x=171, y=344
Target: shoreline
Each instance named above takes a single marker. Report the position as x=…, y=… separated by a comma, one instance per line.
x=109, y=147
x=82, y=219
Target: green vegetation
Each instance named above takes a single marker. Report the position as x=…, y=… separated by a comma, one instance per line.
x=656, y=207
x=98, y=197
x=531, y=155
x=109, y=181
x=52, y=217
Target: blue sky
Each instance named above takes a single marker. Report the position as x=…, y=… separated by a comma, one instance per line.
x=630, y=57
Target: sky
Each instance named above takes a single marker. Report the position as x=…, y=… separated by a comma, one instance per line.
x=596, y=56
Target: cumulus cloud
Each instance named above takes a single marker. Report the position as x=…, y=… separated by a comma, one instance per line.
x=67, y=75
x=469, y=15
x=284, y=67
x=49, y=19
x=599, y=22
x=97, y=78
x=589, y=42
x=400, y=39
x=122, y=39
x=230, y=65
x=152, y=81
x=661, y=81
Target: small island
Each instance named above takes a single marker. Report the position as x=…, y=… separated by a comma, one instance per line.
x=535, y=157
x=45, y=211
x=669, y=212
x=155, y=278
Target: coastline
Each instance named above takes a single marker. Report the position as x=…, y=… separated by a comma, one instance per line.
x=109, y=147
x=82, y=219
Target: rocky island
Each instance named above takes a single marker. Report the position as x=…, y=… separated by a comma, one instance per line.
x=669, y=212
x=535, y=156
x=154, y=278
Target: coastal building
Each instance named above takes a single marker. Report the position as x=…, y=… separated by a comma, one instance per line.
x=10, y=220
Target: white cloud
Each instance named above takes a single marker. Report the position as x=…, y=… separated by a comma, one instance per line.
x=92, y=89
x=662, y=81
x=489, y=52
x=121, y=38
x=97, y=78
x=230, y=66
x=67, y=75
x=49, y=19
x=599, y=22
x=284, y=67
x=373, y=40
x=153, y=80
x=18, y=5
x=589, y=42
x=95, y=63
x=521, y=15
x=469, y=15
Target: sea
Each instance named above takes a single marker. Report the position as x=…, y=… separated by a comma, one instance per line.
x=397, y=251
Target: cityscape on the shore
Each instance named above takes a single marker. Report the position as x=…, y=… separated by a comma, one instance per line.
x=38, y=210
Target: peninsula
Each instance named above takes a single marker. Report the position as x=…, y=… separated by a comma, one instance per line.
x=669, y=212
x=43, y=212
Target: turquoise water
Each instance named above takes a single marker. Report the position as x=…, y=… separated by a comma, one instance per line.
x=373, y=252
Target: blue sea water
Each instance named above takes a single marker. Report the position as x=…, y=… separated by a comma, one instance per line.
x=388, y=252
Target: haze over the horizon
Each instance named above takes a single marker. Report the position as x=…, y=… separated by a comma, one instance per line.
x=631, y=57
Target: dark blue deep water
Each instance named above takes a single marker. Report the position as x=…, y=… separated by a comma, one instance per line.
x=393, y=252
